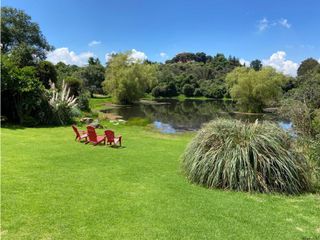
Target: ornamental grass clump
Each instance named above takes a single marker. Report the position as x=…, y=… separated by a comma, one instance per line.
x=253, y=157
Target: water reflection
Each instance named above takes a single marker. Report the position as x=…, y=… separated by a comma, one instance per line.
x=173, y=115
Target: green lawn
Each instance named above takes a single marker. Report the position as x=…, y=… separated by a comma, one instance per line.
x=56, y=188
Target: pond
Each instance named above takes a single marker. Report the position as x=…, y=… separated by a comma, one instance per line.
x=171, y=115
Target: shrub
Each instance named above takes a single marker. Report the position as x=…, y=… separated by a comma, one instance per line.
x=197, y=92
x=230, y=154
x=299, y=113
x=311, y=149
x=74, y=84
x=156, y=91
x=188, y=90
x=83, y=101
x=62, y=105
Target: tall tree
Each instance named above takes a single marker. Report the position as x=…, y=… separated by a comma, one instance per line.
x=127, y=81
x=256, y=65
x=17, y=28
x=307, y=65
x=47, y=73
x=253, y=90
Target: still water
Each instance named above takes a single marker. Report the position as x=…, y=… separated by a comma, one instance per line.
x=170, y=115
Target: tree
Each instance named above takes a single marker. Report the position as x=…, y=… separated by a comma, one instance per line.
x=127, y=81
x=64, y=71
x=307, y=65
x=308, y=89
x=256, y=65
x=188, y=90
x=75, y=85
x=253, y=90
x=21, y=91
x=47, y=73
x=94, y=61
x=17, y=28
x=92, y=76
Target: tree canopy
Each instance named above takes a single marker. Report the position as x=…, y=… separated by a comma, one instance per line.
x=19, y=31
x=127, y=81
x=253, y=90
x=307, y=65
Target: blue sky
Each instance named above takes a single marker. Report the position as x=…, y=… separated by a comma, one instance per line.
x=247, y=29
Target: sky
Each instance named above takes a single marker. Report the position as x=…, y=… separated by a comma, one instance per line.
x=281, y=33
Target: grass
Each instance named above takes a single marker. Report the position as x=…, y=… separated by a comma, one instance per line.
x=56, y=188
x=98, y=103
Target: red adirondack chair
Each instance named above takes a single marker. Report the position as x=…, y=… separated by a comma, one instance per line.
x=111, y=138
x=80, y=134
x=93, y=137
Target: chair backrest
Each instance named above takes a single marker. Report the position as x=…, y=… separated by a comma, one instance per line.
x=75, y=129
x=110, y=135
x=91, y=131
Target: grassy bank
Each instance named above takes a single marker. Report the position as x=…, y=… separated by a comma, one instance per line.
x=56, y=188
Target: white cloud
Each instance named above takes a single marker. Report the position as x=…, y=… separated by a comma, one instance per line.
x=134, y=56
x=94, y=43
x=279, y=62
x=163, y=55
x=284, y=23
x=263, y=24
x=69, y=57
x=243, y=61
x=137, y=56
x=109, y=55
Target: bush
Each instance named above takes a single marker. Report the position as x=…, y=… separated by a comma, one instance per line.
x=63, y=105
x=74, y=84
x=83, y=101
x=197, y=92
x=311, y=149
x=230, y=154
x=188, y=90
x=156, y=91
x=299, y=113
x=169, y=90
x=316, y=122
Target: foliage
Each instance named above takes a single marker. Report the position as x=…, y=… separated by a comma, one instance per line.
x=127, y=81
x=23, y=55
x=64, y=71
x=83, y=101
x=62, y=104
x=253, y=90
x=310, y=147
x=190, y=57
x=165, y=90
x=197, y=92
x=308, y=89
x=245, y=157
x=202, y=71
x=92, y=76
x=307, y=65
x=46, y=73
x=300, y=115
x=21, y=92
x=256, y=65
x=188, y=90
x=74, y=84
x=17, y=28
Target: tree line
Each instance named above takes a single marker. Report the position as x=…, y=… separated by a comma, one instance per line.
x=28, y=79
